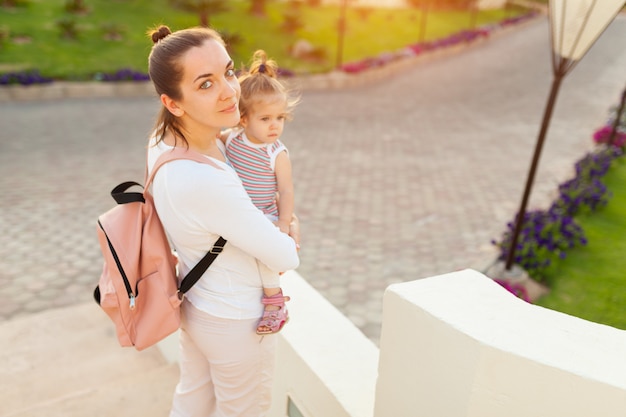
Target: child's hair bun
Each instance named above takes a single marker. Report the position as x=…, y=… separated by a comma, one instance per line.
x=261, y=64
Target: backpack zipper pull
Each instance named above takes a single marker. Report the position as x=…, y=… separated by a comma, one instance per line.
x=132, y=301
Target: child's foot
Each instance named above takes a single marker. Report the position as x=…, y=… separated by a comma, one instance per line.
x=275, y=315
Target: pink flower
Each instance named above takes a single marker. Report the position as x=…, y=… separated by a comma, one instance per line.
x=603, y=135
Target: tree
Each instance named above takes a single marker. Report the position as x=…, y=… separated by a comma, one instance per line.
x=75, y=6
x=424, y=6
x=257, y=7
x=204, y=8
x=14, y=3
x=292, y=17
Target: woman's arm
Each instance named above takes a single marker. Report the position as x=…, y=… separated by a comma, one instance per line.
x=216, y=201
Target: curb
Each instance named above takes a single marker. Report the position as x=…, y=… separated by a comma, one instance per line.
x=333, y=80
x=65, y=89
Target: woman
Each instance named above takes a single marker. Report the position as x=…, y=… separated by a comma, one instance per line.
x=225, y=367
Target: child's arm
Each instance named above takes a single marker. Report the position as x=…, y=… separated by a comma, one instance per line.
x=285, y=191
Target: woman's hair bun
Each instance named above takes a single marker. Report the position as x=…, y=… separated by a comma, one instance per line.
x=160, y=33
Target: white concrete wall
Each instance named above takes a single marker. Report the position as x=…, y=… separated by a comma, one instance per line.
x=460, y=345
x=452, y=345
x=324, y=363
x=325, y=366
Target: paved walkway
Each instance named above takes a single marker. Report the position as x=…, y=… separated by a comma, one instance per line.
x=405, y=178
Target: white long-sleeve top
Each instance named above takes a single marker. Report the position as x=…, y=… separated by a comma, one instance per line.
x=196, y=204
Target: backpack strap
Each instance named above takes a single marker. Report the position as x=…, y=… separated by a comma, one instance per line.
x=196, y=272
x=194, y=275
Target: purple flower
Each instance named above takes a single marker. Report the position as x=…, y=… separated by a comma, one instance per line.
x=29, y=77
x=124, y=74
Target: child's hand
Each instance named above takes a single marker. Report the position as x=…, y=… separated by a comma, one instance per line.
x=283, y=225
x=294, y=230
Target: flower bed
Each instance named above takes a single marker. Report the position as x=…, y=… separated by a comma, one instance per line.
x=124, y=74
x=24, y=78
x=460, y=38
x=547, y=235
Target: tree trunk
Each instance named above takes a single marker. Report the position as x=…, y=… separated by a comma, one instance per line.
x=204, y=18
x=257, y=7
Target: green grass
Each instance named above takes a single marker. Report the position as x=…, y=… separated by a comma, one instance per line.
x=90, y=53
x=382, y=30
x=591, y=282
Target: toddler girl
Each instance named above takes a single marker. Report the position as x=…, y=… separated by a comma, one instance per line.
x=262, y=162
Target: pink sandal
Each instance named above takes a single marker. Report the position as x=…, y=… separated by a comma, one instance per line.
x=274, y=320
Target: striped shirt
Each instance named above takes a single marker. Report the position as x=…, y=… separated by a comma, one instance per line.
x=255, y=164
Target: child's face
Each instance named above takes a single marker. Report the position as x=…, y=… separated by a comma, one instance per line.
x=266, y=119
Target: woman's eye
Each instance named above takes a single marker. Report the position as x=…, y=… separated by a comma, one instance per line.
x=230, y=72
x=206, y=85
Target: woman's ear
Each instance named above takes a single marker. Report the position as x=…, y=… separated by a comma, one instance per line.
x=171, y=105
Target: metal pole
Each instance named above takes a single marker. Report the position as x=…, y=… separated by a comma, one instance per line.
x=556, y=83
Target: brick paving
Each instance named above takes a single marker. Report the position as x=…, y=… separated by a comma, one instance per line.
x=403, y=178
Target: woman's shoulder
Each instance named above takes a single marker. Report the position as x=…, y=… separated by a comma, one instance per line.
x=187, y=180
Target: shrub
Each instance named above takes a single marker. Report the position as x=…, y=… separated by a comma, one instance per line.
x=5, y=34
x=14, y=3
x=68, y=27
x=586, y=191
x=292, y=18
x=232, y=40
x=113, y=31
x=205, y=9
x=364, y=12
x=75, y=6
x=544, y=237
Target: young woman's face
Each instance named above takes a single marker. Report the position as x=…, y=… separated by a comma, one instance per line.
x=210, y=89
x=265, y=121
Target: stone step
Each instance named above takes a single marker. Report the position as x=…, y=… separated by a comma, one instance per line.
x=67, y=362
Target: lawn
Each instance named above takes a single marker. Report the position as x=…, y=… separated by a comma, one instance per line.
x=32, y=34
x=591, y=282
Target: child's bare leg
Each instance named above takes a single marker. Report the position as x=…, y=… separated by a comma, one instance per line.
x=275, y=315
x=268, y=292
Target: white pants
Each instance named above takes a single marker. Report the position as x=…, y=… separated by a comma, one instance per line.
x=226, y=369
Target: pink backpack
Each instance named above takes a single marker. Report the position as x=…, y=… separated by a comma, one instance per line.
x=138, y=288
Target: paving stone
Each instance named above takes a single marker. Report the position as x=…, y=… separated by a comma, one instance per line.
x=407, y=176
